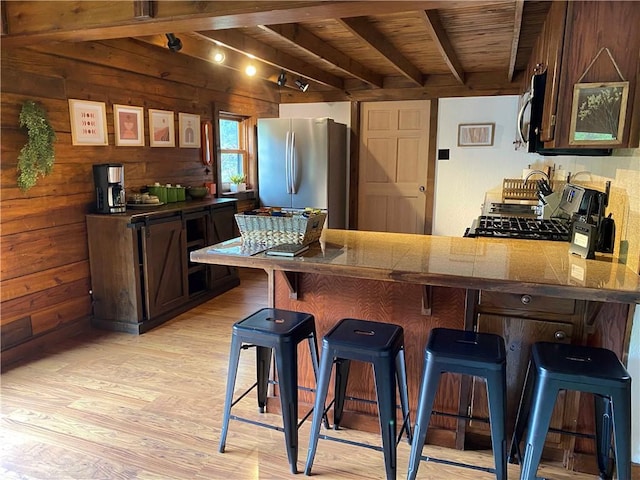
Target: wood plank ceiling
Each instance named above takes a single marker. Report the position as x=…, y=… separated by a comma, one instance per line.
x=357, y=50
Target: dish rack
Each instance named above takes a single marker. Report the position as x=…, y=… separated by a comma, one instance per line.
x=515, y=189
x=300, y=228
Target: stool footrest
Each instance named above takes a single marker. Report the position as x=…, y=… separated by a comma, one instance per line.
x=255, y=422
x=426, y=458
x=569, y=432
x=377, y=448
x=466, y=417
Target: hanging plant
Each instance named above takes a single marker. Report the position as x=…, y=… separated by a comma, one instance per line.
x=37, y=156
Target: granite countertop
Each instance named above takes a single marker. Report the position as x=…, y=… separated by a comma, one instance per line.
x=516, y=266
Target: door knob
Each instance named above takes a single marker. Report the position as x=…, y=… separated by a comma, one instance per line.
x=422, y=188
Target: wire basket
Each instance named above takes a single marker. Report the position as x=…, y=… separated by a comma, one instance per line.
x=273, y=230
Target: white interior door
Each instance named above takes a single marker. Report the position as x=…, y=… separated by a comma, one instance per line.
x=394, y=185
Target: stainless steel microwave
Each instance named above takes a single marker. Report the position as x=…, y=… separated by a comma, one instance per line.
x=530, y=123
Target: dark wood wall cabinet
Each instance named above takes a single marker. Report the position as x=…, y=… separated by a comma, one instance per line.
x=573, y=48
x=141, y=275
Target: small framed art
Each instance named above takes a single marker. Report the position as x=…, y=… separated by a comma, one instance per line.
x=88, y=122
x=129, y=125
x=598, y=113
x=161, y=128
x=476, y=134
x=189, y=126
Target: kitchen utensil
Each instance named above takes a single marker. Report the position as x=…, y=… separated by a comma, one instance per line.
x=197, y=192
x=606, y=235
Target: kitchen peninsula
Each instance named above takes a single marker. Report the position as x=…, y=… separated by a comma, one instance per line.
x=525, y=290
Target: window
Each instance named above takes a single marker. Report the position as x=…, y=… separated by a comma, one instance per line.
x=233, y=147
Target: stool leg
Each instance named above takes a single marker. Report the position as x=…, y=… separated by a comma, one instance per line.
x=287, y=367
x=234, y=356
x=340, y=390
x=263, y=365
x=544, y=399
x=604, y=425
x=428, y=388
x=496, y=392
x=324, y=375
x=515, y=455
x=401, y=373
x=621, y=405
x=313, y=348
x=385, y=375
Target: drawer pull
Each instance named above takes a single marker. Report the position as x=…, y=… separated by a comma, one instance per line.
x=525, y=299
x=560, y=335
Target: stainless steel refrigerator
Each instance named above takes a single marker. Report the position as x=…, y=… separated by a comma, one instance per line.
x=302, y=162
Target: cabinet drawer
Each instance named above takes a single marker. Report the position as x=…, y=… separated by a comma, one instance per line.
x=531, y=303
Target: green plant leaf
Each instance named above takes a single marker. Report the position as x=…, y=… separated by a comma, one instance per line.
x=37, y=156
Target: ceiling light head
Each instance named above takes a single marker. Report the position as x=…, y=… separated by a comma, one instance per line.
x=218, y=56
x=302, y=85
x=282, y=79
x=173, y=43
x=250, y=70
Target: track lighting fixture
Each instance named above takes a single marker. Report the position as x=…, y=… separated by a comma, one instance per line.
x=302, y=85
x=173, y=43
x=250, y=70
x=282, y=79
x=218, y=56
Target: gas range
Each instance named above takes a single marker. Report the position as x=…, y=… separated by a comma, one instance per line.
x=519, y=227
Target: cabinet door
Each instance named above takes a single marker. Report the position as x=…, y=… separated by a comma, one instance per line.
x=165, y=266
x=588, y=28
x=222, y=228
x=552, y=43
x=519, y=334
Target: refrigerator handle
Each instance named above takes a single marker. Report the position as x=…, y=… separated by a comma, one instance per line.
x=287, y=163
x=294, y=163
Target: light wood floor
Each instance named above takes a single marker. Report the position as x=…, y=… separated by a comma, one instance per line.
x=117, y=406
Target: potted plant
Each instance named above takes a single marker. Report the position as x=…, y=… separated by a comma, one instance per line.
x=237, y=183
x=37, y=156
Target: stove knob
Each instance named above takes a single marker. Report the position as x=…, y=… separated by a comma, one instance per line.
x=525, y=299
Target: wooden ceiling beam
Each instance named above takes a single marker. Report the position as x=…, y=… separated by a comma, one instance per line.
x=361, y=28
x=267, y=54
x=33, y=22
x=300, y=37
x=397, y=88
x=441, y=39
x=515, y=41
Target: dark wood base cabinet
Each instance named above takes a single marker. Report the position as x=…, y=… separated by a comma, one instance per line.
x=141, y=275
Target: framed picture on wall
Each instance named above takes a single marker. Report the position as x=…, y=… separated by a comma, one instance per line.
x=161, y=128
x=88, y=122
x=129, y=125
x=476, y=134
x=598, y=113
x=189, y=126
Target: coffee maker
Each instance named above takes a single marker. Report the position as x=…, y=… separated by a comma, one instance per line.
x=109, y=181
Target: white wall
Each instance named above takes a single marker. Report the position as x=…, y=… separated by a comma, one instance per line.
x=338, y=111
x=463, y=180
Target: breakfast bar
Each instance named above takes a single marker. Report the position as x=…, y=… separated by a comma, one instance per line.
x=524, y=290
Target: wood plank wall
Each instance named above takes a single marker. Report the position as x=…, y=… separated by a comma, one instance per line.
x=44, y=272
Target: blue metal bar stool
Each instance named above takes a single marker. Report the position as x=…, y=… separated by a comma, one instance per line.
x=382, y=345
x=280, y=331
x=470, y=353
x=558, y=366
